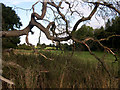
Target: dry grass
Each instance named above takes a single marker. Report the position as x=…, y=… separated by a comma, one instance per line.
x=64, y=72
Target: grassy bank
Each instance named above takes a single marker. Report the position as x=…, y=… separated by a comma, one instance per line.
x=80, y=70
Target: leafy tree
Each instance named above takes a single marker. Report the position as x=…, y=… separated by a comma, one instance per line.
x=99, y=33
x=43, y=46
x=115, y=26
x=82, y=33
x=113, y=29
x=108, y=24
x=10, y=21
x=66, y=47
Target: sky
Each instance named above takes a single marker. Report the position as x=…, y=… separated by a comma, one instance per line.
x=25, y=18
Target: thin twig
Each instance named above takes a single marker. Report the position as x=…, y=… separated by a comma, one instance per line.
x=46, y=57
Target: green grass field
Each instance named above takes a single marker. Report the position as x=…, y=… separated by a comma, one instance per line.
x=80, y=70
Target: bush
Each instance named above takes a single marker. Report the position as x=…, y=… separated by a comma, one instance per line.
x=24, y=46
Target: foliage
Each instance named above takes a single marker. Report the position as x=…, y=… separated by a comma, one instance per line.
x=10, y=21
x=50, y=48
x=114, y=29
x=99, y=33
x=111, y=28
x=24, y=46
x=67, y=47
x=41, y=46
x=82, y=33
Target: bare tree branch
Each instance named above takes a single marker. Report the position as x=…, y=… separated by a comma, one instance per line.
x=104, y=39
x=46, y=57
x=100, y=60
x=16, y=32
x=108, y=5
x=84, y=19
x=6, y=80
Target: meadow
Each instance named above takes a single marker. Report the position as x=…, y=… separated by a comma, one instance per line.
x=62, y=69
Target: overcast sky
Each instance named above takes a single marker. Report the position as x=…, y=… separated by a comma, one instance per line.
x=25, y=18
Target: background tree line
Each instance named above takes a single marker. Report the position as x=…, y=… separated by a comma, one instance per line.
x=111, y=28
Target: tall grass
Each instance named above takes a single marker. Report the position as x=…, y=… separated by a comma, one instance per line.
x=66, y=71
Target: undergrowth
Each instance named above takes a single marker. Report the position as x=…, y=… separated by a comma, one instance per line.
x=64, y=71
